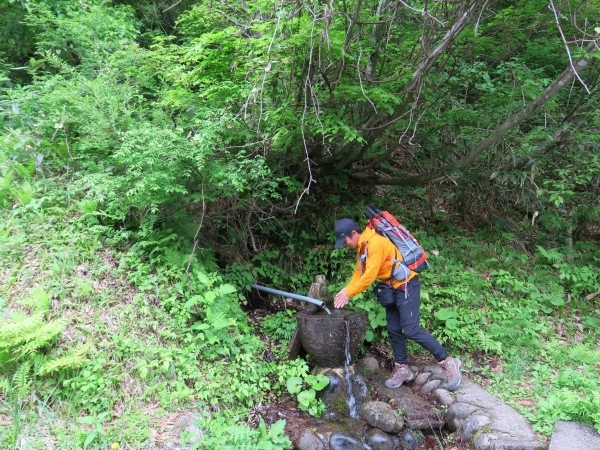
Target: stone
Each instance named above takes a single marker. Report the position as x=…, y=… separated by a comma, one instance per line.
x=505, y=419
x=335, y=393
x=436, y=372
x=418, y=412
x=444, y=396
x=190, y=432
x=343, y=441
x=422, y=378
x=378, y=440
x=324, y=336
x=430, y=386
x=368, y=365
x=456, y=415
x=360, y=389
x=409, y=441
x=310, y=441
x=472, y=424
x=381, y=415
x=501, y=441
x=574, y=436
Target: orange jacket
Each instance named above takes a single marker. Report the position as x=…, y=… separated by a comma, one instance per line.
x=378, y=265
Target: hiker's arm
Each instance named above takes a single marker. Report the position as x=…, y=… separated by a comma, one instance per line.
x=342, y=298
x=362, y=282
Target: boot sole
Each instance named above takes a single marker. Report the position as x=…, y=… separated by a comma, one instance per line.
x=457, y=384
x=396, y=386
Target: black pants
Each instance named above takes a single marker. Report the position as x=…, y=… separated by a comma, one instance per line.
x=403, y=322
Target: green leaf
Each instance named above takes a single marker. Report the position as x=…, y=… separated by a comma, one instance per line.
x=445, y=314
x=294, y=385
x=452, y=324
x=305, y=398
x=227, y=289
x=317, y=382
x=90, y=437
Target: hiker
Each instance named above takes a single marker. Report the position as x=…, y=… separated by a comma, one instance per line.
x=374, y=261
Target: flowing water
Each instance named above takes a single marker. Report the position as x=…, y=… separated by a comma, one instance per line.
x=351, y=400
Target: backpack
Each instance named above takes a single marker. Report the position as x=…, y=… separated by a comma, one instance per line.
x=414, y=257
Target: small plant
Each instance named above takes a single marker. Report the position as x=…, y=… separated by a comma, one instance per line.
x=280, y=326
x=223, y=430
x=307, y=397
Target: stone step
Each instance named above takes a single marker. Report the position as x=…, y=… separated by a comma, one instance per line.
x=574, y=436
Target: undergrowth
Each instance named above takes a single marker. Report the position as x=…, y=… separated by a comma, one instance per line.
x=109, y=334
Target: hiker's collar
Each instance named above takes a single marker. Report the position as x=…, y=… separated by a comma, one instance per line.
x=367, y=234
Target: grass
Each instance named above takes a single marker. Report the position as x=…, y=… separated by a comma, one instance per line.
x=52, y=250
x=150, y=366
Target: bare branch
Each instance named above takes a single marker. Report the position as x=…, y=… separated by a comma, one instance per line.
x=563, y=80
x=562, y=35
x=191, y=257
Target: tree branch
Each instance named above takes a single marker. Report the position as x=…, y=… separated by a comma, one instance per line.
x=496, y=136
x=374, y=127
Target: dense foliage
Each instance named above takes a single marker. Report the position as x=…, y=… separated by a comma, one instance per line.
x=158, y=157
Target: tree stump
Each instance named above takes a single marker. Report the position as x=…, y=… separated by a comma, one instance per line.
x=318, y=290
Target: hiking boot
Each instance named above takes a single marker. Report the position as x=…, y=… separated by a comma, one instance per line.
x=400, y=374
x=451, y=368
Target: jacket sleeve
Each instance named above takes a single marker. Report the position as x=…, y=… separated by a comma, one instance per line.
x=360, y=283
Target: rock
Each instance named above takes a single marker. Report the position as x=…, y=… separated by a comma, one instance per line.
x=378, y=440
x=505, y=420
x=456, y=415
x=360, y=388
x=381, y=415
x=422, y=378
x=343, y=441
x=436, y=372
x=419, y=413
x=501, y=441
x=368, y=365
x=190, y=432
x=430, y=386
x=444, y=397
x=472, y=424
x=335, y=394
x=574, y=436
x=409, y=441
x=310, y=441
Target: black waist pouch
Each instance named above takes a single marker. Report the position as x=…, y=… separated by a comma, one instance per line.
x=384, y=293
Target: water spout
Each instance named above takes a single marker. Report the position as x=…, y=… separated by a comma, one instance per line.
x=303, y=298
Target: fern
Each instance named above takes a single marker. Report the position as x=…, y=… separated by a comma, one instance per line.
x=22, y=380
x=71, y=361
x=27, y=335
x=38, y=360
x=554, y=289
x=487, y=344
x=583, y=355
x=14, y=334
x=4, y=387
x=43, y=336
x=175, y=259
x=553, y=255
x=38, y=299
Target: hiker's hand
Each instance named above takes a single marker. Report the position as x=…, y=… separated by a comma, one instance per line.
x=341, y=299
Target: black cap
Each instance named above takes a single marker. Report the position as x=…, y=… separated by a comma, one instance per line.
x=343, y=228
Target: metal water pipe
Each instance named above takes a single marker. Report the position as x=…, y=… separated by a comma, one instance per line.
x=302, y=298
